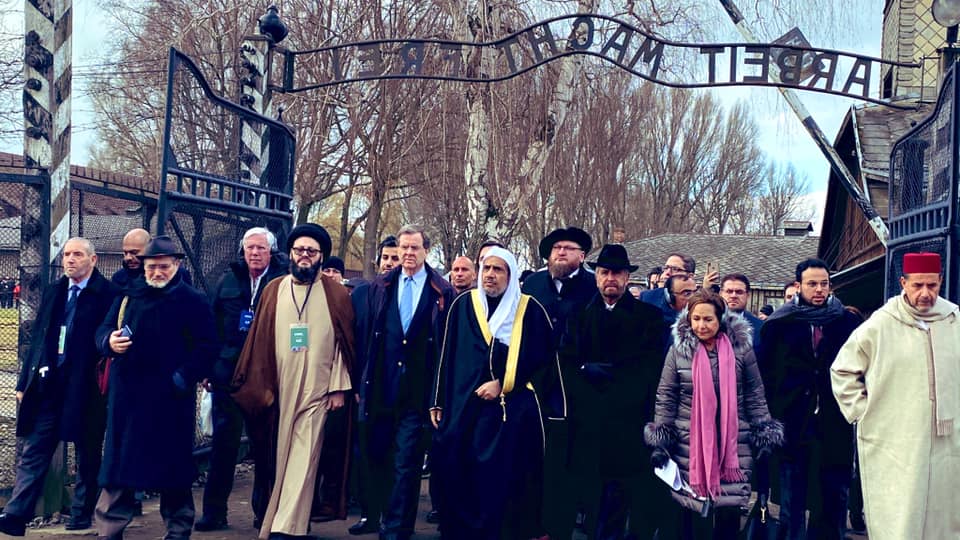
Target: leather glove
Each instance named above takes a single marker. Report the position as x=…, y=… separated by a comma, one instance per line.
x=597, y=373
x=659, y=457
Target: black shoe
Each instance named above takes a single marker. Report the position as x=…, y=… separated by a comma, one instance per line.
x=207, y=523
x=12, y=525
x=364, y=526
x=78, y=524
x=433, y=517
x=857, y=524
x=257, y=522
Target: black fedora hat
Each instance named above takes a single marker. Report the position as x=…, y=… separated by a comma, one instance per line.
x=573, y=234
x=314, y=231
x=613, y=257
x=161, y=246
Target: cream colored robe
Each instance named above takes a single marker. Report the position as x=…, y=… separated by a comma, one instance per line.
x=304, y=380
x=883, y=380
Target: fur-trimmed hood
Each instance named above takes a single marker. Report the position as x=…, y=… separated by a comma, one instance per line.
x=737, y=328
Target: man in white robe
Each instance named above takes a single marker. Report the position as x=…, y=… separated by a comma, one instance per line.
x=898, y=379
x=294, y=368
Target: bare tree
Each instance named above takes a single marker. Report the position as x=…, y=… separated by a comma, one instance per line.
x=11, y=74
x=781, y=200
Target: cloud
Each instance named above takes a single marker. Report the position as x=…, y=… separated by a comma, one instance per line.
x=813, y=205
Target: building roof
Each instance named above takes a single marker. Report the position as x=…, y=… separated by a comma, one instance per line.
x=766, y=260
x=876, y=129
x=87, y=174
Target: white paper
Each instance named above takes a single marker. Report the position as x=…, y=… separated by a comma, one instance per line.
x=670, y=474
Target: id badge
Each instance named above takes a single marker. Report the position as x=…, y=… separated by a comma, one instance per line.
x=62, y=342
x=246, y=319
x=299, y=337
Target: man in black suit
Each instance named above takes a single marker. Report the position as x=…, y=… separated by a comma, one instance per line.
x=406, y=310
x=57, y=389
x=614, y=348
x=564, y=289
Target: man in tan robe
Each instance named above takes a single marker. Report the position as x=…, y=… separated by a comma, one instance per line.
x=295, y=366
x=898, y=378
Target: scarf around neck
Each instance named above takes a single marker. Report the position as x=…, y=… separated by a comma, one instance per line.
x=803, y=312
x=714, y=459
x=946, y=373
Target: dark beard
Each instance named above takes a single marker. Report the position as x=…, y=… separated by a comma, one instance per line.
x=305, y=275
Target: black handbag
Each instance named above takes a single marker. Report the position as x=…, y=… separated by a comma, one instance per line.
x=760, y=524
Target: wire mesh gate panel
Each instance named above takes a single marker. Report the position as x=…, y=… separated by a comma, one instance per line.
x=209, y=195
x=17, y=191
x=923, y=192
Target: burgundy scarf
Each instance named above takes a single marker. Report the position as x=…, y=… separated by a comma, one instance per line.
x=709, y=465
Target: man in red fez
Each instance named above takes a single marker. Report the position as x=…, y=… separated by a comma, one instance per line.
x=898, y=379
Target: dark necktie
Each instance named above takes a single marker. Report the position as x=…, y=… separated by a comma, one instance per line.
x=68, y=311
x=817, y=336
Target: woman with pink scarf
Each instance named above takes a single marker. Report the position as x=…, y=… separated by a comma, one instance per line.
x=711, y=417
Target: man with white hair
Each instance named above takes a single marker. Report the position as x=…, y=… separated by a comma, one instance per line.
x=489, y=445
x=234, y=303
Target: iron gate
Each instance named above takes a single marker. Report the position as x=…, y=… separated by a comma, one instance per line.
x=923, y=192
x=207, y=197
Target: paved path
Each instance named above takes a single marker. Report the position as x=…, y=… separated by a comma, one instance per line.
x=150, y=526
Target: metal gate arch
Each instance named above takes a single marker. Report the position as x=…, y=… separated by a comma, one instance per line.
x=206, y=200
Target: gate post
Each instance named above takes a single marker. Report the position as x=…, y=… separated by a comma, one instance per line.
x=45, y=214
x=255, y=94
x=45, y=223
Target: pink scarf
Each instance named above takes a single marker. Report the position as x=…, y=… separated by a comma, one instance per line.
x=708, y=467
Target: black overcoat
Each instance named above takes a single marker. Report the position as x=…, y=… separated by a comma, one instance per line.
x=152, y=399
x=380, y=379
x=797, y=381
x=82, y=405
x=607, y=416
x=231, y=297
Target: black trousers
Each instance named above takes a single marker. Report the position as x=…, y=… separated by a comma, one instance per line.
x=393, y=448
x=224, y=450
x=332, y=458
x=38, y=449
x=827, y=504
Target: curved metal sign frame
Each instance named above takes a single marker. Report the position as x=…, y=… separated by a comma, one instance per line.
x=787, y=65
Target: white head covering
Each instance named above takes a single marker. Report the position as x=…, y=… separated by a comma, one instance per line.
x=501, y=322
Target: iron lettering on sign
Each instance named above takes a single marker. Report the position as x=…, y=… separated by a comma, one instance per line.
x=790, y=62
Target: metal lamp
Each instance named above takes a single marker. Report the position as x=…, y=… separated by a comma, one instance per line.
x=946, y=12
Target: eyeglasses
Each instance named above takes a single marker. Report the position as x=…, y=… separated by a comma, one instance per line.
x=735, y=292
x=675, y=269
x=301, y=251
x=163, y=267
x=563, y=247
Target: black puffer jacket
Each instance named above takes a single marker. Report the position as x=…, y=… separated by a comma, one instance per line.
x=671, y=428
